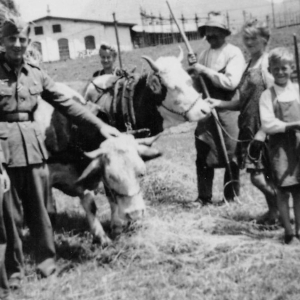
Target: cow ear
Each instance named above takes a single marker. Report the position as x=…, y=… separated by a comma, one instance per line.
x=154, y=84
x=148, y=153
x=93, y=173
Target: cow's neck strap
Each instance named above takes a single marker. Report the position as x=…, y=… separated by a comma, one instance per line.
x=183, y=113
x=114, y=194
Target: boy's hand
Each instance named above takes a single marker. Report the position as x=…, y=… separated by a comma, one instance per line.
x=4, y=180
x=213, y=103
x=293, y=126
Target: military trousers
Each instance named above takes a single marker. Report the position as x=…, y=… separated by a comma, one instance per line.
x=29, y=194
x=4, y=286
x=205, y=175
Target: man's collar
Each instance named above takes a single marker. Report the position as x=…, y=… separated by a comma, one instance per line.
x=9, y=68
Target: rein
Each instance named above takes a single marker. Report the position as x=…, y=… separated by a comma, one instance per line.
x=184, y=113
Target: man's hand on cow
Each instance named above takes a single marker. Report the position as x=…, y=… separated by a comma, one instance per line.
x=108, y=131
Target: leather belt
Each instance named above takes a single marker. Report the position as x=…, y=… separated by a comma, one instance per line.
x=16, y=117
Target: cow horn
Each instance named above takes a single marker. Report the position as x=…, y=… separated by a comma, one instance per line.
x=180, y=56
x=148, y=153
x=151, y=63
x=93, y=154
x=148, y=141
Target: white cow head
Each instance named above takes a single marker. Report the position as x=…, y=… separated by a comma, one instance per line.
x=119, y=165
x=182, y=102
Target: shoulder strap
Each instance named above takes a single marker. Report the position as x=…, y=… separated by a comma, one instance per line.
x=273, y=94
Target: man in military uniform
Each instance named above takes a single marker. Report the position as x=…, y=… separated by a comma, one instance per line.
x=21, y=84
x=4, y=187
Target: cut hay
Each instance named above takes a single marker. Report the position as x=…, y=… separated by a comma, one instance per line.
x=178, y=251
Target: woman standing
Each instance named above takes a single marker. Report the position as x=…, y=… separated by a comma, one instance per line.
x=255, y=80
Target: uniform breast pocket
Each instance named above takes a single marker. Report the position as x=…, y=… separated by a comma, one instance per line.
x=35, y=90
x=34, y=93
x=5, y=92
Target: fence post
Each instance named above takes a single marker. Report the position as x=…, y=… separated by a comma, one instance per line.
x=143, y=38
x=162, y=29
x=172, y=32
x=244, y=16
x=227, y=18
x=268, y=20
x=196, y=22
x=182, y=21
x=117, y=38
x=153, y=37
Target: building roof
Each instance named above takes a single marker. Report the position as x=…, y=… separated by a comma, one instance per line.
x=166, y=28
x=49, y=17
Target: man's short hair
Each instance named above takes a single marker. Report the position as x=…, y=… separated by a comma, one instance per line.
x=107, y=47
x=281, y=54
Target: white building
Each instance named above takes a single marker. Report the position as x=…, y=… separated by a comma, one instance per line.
x=60, y=38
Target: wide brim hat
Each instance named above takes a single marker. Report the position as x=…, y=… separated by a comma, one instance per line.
x=214, y=20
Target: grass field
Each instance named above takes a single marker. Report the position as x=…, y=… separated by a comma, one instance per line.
x=179, y=251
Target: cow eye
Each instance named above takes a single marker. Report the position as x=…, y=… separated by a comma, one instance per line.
x=112, y=178
x=141, y=174
x=178, y=89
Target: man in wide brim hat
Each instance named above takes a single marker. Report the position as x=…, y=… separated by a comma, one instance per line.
x=214, y=20
x=221, y=66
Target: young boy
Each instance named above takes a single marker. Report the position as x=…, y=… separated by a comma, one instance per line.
x=280, y=116
x=108, y=55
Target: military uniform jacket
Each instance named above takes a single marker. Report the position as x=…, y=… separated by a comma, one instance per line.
x=22, y=142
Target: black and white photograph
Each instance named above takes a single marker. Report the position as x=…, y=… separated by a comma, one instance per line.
x=149, y=150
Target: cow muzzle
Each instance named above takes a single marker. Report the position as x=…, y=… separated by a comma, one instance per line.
x=125, y=211
x=201, y=111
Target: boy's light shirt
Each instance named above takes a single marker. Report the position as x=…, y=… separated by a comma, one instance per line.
x=270, y=124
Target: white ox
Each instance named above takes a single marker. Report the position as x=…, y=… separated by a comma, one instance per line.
x=166, y=91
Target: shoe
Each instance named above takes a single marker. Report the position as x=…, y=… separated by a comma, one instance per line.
x=6, y=296
x=14, y=283
x=267, y=220
x=288, y=239
x=204, y=201
x=46, y=268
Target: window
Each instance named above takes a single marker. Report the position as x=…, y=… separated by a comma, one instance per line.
x=89, y=42
x=63, y=46
x=56, y=28
x=38, y=30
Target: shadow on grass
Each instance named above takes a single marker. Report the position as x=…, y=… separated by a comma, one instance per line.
x=73, y=241
x=230, y=226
